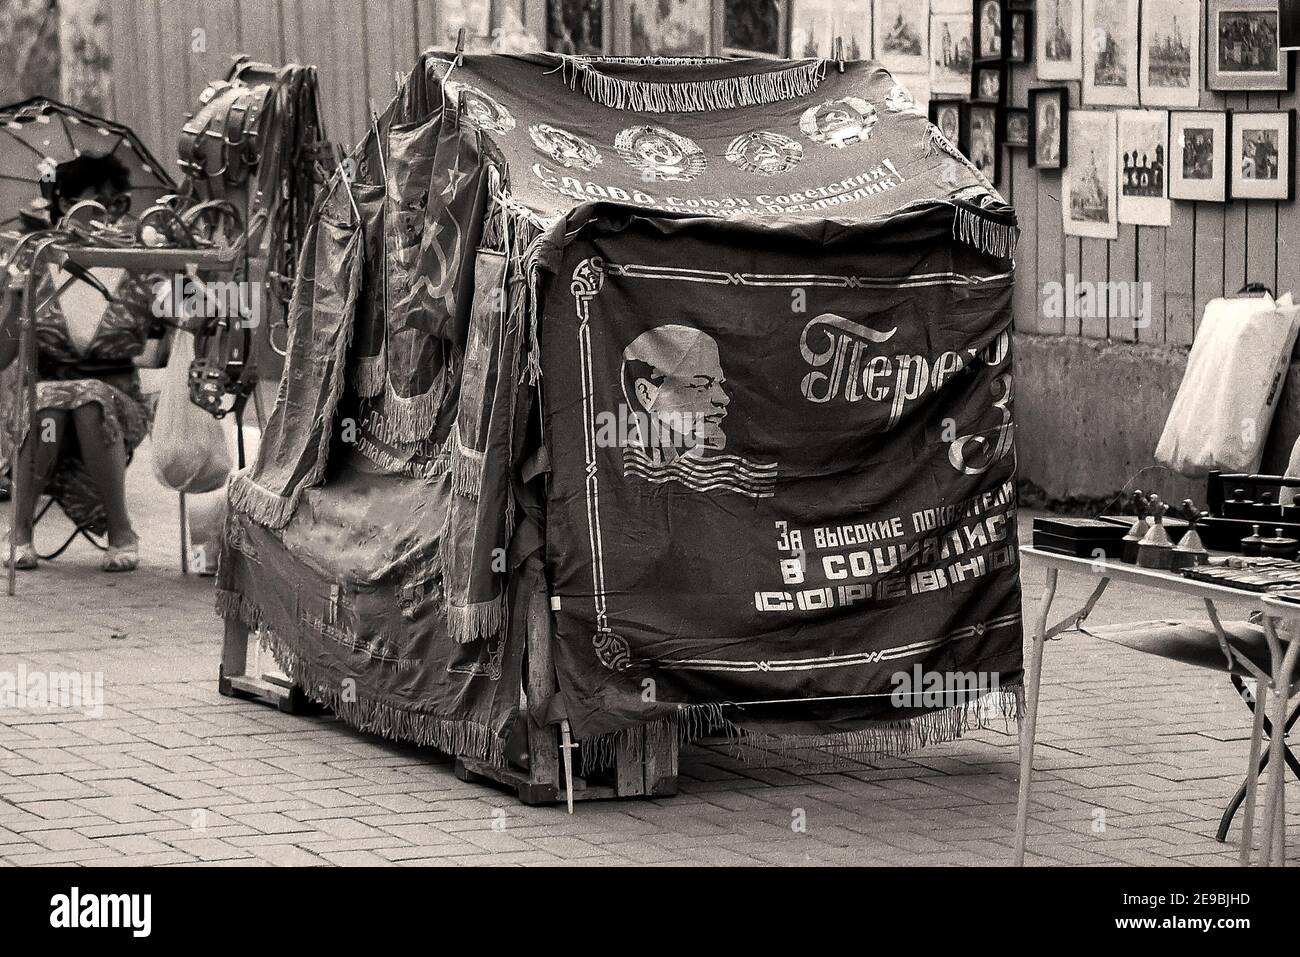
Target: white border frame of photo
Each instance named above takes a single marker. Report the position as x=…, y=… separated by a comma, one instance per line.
x=947, y=85
x=1062, y=95
x=1172, y=96
x=1215, y=189
x=1110, y=95
x=1071, y=69
x=1143, y=210
x=1239, y=187
x=1275, y=81
x=902, y=63
x=1096, y=129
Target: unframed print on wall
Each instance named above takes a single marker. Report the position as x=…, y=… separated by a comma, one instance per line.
x=1059, y=39
x=1089, y=183
x=1110, y=53
x=815, y=24
x=902, y=35
x=1171, y=53
x=951, y=52
x=669, y=27
x=1143, y=167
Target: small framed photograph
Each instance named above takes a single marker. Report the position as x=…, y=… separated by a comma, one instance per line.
x=1017, y=35
x=946, y=115
x=1059, y=40
x=1261, y=155
x=1171, y=53
x=1015, y=127
x=952, y=53
x=1088, y=188
x=1110, y=53
x=980, y=135
x=988, y=29
x=988, y=83
x=1245, y=47
x=1049, y=109
x=1198, y=156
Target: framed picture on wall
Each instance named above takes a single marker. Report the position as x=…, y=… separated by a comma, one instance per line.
x=1049, y=110
x=1058, y=40
x=988, y=83
x=902, y=34
x=665, y=28
x=1198, y=156
x=1015, y=127
x=1261, y=155
x=1244, y=47
x=576, y=27
x=814, y=25
x=952, y=52
x=981, y=138
x=946, y=115
x=754, y=28
x=1110, y=53
x=1089, y=184
x=988, y=29
x=1143, y=143
x=1171, y=53
x=1018, y=35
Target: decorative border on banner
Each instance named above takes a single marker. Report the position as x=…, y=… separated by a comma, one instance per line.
x=588, y=281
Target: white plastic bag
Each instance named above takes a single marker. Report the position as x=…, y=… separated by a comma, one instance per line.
x=190, y=453
x=1235, y=373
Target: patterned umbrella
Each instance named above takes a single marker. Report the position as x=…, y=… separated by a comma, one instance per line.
x=38, y=134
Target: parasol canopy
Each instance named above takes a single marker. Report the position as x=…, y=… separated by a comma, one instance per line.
x=38, y=134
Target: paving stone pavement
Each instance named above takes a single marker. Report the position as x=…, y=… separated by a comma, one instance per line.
x=1136, y=760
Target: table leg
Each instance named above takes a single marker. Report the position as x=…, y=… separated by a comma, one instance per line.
x=1252, y=774
x=1029, y=729
x=1283, y=656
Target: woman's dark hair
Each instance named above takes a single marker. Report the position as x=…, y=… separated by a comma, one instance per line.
x=86, y=172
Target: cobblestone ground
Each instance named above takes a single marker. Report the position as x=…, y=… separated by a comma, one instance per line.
x=1137, y=758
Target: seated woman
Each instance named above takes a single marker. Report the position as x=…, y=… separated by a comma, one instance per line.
x=91, y=413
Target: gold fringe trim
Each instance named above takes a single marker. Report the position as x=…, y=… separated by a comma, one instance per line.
x=884, y=740
x=694, y=96
x=412, y=418
x=456, y=736
x=987, y=235
x=466, y=468
x=370, y=375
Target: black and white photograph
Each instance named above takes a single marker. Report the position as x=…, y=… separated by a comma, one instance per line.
x=1018, y=35
x=815, y=25
x=1261, y=155
x=602, y=435
x=982, y=140
x=951, y=53
x=988, y=29
x=946, y=115
x=1110, y=56
x=1049, y=109
x=1198, y=156
x=1015, y=127
x=1171, y=54
x=1244, y=47
x=1090, y=183
x=1143, y=144
x=902, y=34
x=988, y=83
x=1058, y=39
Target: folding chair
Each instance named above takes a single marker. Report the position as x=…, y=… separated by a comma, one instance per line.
x=1196, y=643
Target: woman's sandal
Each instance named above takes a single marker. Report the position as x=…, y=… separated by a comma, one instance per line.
x=123, y=559
x=25, y=559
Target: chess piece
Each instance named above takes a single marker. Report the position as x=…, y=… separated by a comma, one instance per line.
x=1156, y=550
x=1252, y=543
x=1190, y=551
x=1137, y=531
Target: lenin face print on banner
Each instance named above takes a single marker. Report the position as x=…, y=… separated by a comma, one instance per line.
x=900, y=100
x=481, y=109
x=764, y=153
x=660, y=154
x=675, y=388
x=567, y=149
x=839, y=123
